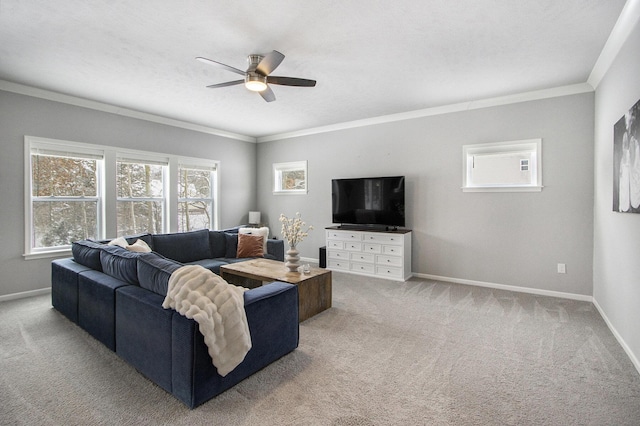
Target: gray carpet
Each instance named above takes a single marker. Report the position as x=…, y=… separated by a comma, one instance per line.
x=387, y=353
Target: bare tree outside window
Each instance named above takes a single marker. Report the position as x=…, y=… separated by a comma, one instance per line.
x=140, y=204
x=64, y=200
x=195, y=198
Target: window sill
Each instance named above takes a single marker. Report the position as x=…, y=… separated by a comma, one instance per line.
x=502, y=189
x=47, y=254
x=290, y=192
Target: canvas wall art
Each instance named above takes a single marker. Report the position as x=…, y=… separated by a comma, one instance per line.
x=626, y=162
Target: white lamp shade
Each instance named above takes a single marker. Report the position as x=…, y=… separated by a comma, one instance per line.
x=254, y=218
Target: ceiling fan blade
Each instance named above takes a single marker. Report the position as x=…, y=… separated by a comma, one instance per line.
x=220, y=65
x=270, y=62
x=268, y=94
x=291, y=81
x=228, y=83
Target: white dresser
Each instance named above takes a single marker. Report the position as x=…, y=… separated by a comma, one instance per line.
x=374, y=253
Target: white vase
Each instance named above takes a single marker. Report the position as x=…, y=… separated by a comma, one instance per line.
x=292, y=259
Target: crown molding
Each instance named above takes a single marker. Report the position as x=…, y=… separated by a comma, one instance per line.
x=625, y=24
x=445, y=109
x=573, y=89
x=21, y=89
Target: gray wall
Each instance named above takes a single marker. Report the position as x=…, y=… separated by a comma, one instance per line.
x=23, y=115
x=617, y=235
x=513, y=239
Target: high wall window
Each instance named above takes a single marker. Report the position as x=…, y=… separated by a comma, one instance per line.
x=75, y=191
x=196, y=193
x=504, y=166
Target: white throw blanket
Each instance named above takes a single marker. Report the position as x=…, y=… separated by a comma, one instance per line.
x=217, y=307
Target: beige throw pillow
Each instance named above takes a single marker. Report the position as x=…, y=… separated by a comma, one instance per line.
x=139, y=246
x=120, y=241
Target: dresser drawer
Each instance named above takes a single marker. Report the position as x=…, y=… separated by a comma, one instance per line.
x=392, y=250
x=351, y=246
x=363, y=257
x=336, y=254
x=389, y=261
x=388, y=271
x=338, y=264
x=344, y=236
x=363, y=267
x=332, y=244
x=372, y=248
x=374, y=237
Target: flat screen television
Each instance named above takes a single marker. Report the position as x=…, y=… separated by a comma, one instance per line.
x=375, y=201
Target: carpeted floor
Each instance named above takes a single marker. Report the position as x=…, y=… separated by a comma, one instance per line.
x=387, y=353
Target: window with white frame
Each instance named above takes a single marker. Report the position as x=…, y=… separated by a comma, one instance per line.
x=290, y=178
x=140, y=204
x=64, y=193
x=196, y=194
x=514, y=166
x=75, y=191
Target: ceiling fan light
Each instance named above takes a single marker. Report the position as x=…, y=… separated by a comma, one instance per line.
x=255, y=83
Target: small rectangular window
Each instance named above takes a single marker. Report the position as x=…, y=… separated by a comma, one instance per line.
x=290, y=178
x=504, y=166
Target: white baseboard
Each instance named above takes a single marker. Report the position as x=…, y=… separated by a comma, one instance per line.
x=618, y=337
x=551, y=293
x=24, y=294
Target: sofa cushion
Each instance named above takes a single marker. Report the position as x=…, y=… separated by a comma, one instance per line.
x=87, y=253
x=154, y=272
x=232, y=245
x=120, y=263
x=250, y=246
x=183, y=246
x=212, y=264
x=218, y=244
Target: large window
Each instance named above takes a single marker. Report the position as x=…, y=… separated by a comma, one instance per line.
x=196, y=193
x=141, y=200
x=76, y=191
x=65, y=195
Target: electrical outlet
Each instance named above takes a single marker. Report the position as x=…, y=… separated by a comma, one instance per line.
x=562, y=268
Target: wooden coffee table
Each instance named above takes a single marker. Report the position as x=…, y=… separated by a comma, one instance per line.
x=314, y=288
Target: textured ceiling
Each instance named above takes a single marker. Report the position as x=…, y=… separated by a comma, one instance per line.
x=370, y=58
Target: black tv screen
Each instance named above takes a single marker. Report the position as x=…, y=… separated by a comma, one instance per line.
x=368, y=201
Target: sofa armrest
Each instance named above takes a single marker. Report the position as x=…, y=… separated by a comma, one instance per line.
x=276, y=249
x=272, y=314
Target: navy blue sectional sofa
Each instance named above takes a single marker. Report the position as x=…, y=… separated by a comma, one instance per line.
x=116, y=296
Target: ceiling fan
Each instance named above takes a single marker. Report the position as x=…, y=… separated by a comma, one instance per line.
x=256, y=77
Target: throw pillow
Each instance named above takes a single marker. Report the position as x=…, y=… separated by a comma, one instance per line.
x=250, y=246
x=139, y=246
x=264, y=232
x=231, y=245
x=120, y=242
